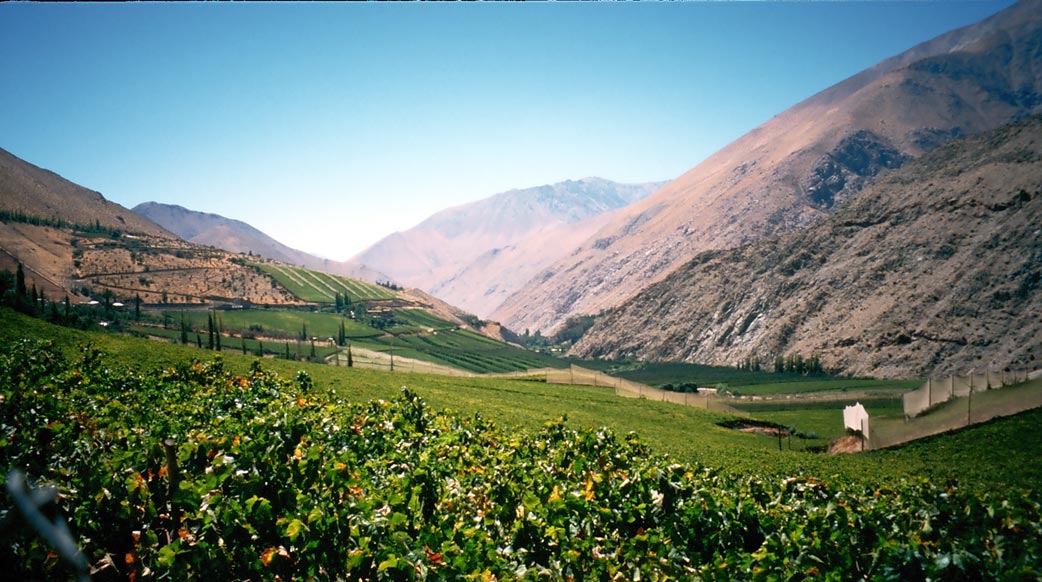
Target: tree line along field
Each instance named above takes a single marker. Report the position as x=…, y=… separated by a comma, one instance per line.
x=293, y=470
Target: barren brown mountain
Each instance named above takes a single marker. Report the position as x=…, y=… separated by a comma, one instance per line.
x=933, y=269
x=33, y=191
x=69, y=238
x=795, y=169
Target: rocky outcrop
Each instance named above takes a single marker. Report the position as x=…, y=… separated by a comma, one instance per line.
x=845, y=170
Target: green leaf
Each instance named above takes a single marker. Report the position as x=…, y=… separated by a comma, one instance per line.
x=390, y=562
x=167, y=554
x=294, y=529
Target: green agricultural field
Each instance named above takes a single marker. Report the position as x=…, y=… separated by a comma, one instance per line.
x=465, y=350
x=416, y=320
x=294, y=470
x=828, y=384
x=319, y=287
x=661, y=373
x=286, y=324
x=235, y=344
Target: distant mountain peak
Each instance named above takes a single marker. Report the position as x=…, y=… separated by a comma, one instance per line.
x=451, y=253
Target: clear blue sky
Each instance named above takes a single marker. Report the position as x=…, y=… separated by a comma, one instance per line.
x=329, y=126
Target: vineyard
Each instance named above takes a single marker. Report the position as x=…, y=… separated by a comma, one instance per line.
x=319, y=287
x=280, y=479
x=463, y=350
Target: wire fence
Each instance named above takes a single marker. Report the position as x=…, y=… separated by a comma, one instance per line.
x=974, y=407
x=937, y=391
x=628, y=389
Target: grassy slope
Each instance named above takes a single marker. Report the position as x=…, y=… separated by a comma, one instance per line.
x=999, y=454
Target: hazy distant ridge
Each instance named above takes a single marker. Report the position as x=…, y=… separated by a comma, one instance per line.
x=476, y=254
x=239, y=237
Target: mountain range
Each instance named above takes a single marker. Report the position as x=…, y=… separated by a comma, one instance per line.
x=798, y=167
x=887, y=225
x=477, y=254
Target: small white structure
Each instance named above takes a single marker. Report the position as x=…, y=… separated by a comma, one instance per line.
x=856, y=418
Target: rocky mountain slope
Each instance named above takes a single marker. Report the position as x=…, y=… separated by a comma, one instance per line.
x=476, y=254
x=793, y=170
x=933, y=269
x=35, y=192
x=236, y=236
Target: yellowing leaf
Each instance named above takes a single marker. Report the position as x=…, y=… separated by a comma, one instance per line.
x=555, y=495
x=294, y=528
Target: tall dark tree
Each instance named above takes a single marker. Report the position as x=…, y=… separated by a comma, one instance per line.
x=184, y=330
x=209, y=330
x=350, y=360
x=137, y=307
x=218, y=330
x=20, y=287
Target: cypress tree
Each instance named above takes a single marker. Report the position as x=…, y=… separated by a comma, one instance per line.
x=20, y=287
x=209, y=330
x=217, y=332
x=350, y=360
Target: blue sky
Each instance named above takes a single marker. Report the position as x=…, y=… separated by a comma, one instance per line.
x=329, y=126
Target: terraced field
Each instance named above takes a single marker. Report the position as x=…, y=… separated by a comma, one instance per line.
x=319, y=287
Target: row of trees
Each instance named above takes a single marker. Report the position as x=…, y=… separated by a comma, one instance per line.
x=791, y=364
x=27, y=299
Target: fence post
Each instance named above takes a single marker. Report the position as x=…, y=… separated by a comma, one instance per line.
x=969, y=406
x=172, y=478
